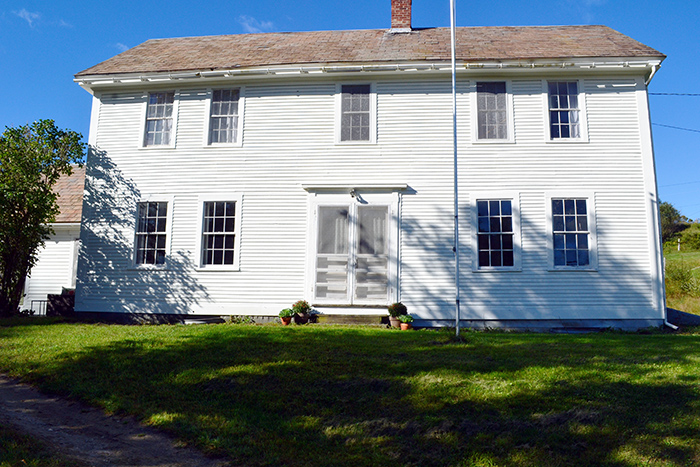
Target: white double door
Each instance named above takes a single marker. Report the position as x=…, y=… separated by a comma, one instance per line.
x=353, y=251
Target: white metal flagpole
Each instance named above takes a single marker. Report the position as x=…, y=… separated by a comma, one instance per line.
x=455, y=247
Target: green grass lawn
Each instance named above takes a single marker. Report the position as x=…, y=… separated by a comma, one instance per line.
x=683, y=280
x=354, y=396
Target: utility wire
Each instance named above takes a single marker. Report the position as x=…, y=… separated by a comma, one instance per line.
x=673, y=94
x=676, y=127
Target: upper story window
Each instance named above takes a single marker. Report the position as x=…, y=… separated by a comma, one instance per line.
x=224, y=116
x=564, y=110
x=151, y=233
x=159, y=119
x=357, y=107
x=492, y=111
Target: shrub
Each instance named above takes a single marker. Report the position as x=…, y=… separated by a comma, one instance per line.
x=397, y=309
x=680, y=279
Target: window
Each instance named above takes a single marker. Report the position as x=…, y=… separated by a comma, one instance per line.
x=564, y=110
x=571, y=235
x=356, y=113
x=151, y=233
x=219, y=233
x=223, y=116
x=219, y=241
x=159, y=119
x=495, y=233
x=492, y=111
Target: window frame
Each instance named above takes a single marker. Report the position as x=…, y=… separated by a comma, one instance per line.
x=144, y=120
x=169, y=200
x=207, y=117
x=592, y=235
x=475, y=112
x=583, y=115
x=514, y=198
x=372, y=113
x=219, y=197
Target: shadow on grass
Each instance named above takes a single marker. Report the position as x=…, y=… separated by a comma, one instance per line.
x=265, y=396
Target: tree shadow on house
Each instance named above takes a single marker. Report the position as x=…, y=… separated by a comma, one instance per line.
x=262, y=396
x=618, y=292
x=109, y=283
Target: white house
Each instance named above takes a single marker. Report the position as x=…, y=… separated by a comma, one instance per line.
x=233, y=175
x=56, y=267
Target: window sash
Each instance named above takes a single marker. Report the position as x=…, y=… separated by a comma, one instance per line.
x=223, y=118
x=218, y=233
x=564, y=110
x=151, y=233
x=355, y=118
x=159, y=118
x=570, y=232
x=492, y=110
x=495, y=233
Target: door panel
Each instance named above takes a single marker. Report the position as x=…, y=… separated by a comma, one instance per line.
x=372, y=253
x=333, y=247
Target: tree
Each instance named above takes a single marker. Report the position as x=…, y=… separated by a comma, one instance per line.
x=32, y=158
x=672, y=221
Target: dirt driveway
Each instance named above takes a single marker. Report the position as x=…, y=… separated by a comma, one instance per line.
x=87, y=435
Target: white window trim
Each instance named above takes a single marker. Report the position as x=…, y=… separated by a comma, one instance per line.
x=592, y=241
x=343, y=199
x=207, y=118
x=583, y=114
x=372, y=113
x=238, y=198
x=144, y=111
x=475, y=112
x=154, y=198
x=514, y=197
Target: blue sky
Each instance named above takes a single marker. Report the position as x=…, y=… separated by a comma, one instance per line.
x=44, y=43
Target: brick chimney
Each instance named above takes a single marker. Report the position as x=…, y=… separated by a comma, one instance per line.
x=401, y=15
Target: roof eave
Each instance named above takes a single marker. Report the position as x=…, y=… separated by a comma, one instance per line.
x=184, y=77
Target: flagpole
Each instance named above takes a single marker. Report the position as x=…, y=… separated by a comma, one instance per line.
x=455, y=247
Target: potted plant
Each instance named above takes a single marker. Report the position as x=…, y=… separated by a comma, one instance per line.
x=302, y=311
x=406, y=322
x=395, y=310
x=286, y=316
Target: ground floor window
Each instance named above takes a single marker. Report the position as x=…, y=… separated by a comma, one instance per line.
x=570, y=232
x=151, y=232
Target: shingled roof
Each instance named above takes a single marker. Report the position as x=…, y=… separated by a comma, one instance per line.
x=70, y=199
x=372, y=46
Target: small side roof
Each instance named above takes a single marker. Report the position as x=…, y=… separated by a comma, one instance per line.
x=474, y=44
x=70, y=199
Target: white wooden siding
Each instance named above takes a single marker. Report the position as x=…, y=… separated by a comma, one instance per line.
x=55, y=268
x=288, y=141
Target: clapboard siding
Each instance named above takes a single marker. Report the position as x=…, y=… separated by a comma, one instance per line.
x=55, y=268
x=289, y=141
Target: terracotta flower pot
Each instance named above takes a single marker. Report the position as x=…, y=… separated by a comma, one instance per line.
x=395, y=323
x=287, y=320
x=406, y=326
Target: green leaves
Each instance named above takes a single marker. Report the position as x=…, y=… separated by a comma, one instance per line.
x=32, y=159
